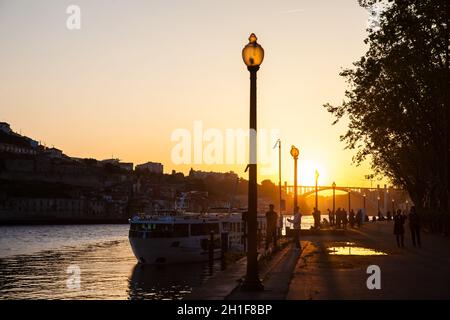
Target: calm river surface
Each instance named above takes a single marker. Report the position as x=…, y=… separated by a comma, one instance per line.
x=36, y=262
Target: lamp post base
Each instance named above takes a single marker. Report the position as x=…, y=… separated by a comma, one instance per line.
x=252, y=285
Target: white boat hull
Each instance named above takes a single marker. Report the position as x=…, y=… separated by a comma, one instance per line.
x=163, y=251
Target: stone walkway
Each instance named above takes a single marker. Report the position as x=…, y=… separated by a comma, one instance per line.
x=406, y=273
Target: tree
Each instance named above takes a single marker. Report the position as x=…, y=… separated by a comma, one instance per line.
x=398, y=102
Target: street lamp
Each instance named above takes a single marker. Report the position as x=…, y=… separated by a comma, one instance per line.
x=295, y=153
x=364, y=197
x=278, y=143
x=393, y=206
x=317, y=179
x=378, y=203
x=253, y=55
x=334, y=197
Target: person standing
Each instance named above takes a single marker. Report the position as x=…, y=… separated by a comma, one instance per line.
x=351, y=218
x=271, y=227
x=344, y=218
x=399, y=229
x=338, y=218
x=297, y=222
x=316, y=216
x=331, y=217
x=359, y=218
x=414, y=226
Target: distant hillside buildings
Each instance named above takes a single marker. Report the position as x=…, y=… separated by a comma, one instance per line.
x=38, y=183
x=216, y=175
x=152, y=167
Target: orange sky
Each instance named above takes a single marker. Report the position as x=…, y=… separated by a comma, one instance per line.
x=138, y=70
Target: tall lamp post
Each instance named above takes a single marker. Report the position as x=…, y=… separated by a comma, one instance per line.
x=349, y=200
x=317, y=201
x=378, y=205
x=393, y=206
x=279, y=184
x=295, y=153
x=334, y=197
x=253, y=55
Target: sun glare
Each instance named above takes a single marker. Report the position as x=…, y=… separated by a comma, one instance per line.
x=307, y=172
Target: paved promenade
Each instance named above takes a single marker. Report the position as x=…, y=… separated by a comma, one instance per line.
x=406, y=273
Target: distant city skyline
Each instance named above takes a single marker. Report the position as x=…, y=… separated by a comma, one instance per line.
x=138, y=70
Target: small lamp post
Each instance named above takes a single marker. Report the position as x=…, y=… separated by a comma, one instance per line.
x=253, y=55
x=295, y=153
x=334, y=197
x=317, y=192
x=378, y=205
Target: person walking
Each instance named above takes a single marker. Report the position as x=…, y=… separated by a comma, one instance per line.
x=414, y=226
x=399, y=229
x=297, y=222
x=271, y=227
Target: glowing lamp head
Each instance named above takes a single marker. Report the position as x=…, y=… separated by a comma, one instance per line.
x=253, y=53
x=294, y=152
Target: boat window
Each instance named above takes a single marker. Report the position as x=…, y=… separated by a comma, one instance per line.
x=181, y=230
x=226, y=226
x=202, y=229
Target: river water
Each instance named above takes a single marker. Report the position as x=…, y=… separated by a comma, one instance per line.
x=39, y=262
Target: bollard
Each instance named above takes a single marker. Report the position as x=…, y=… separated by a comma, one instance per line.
x=211, y=251
x=224, y=249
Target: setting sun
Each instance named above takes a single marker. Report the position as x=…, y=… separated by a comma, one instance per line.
x=307, y=172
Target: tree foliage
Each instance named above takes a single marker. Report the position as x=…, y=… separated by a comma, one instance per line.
x=397, y=102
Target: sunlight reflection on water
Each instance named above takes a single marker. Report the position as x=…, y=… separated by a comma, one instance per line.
x=354, y=251
x=108, y=269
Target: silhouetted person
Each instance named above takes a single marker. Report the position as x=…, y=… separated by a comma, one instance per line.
x=297, y=222
x=271, y=229
x=344, y=218
x=316, y=216
x=388, y=216
x=374, y=218
x=414, y=226
x=330, y=217
x=399, y=229
x=351, y=218
x=338, y=218
x=359, y=218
